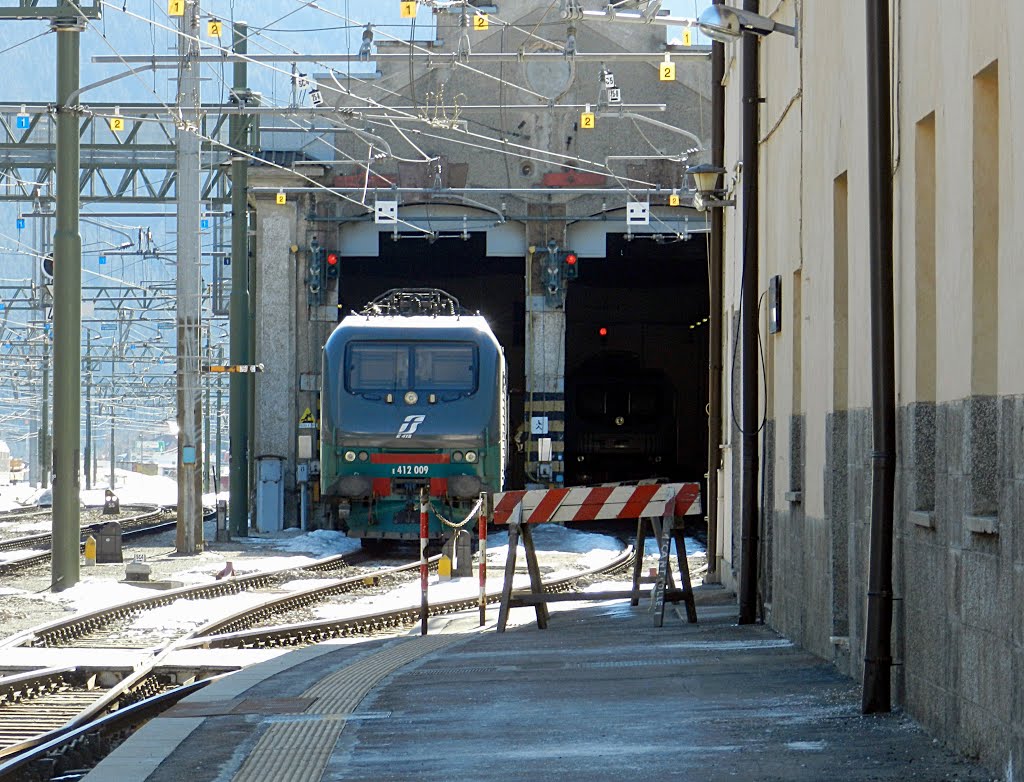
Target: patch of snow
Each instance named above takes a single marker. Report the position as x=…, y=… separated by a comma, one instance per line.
x=92, y=593
x=693, y=547
x=806, y=746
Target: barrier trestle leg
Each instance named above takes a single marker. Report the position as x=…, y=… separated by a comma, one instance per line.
x=638, y=561
x=684, y=576
x=510, y=572
x=664, y=589
x=661, y=534
x=515, y=531
x=536, y=584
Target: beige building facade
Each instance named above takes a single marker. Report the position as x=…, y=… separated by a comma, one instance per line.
x=957, y=83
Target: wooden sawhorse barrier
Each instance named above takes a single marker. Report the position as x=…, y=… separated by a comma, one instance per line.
x=656, y=505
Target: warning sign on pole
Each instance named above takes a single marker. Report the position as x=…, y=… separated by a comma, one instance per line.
x=306, y=420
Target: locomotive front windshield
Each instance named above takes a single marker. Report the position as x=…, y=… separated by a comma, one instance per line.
x=598, y=403
x=372, y=367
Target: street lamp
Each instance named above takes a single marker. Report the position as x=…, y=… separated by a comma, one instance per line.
x=709, y=195
x=726, y=24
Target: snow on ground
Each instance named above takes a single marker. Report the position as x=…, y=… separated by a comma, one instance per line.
x=134, y=488
x=17, y=495
x=318, y=543
x=693, y=547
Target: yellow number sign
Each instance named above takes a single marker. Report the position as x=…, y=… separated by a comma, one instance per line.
x=175, y=7
x=408, y=10
x=667, y=71
x=281, y=198
x=587, y=120
x=116, y=123
x=687, y=37
x=213, y=28
x=481, y=22
x=673, y=199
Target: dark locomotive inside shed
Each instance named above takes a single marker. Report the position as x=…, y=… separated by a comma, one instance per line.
x=638, y=319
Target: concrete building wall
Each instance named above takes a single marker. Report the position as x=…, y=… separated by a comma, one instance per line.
x=957, y=82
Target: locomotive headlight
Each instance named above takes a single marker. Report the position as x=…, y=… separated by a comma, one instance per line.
x=457, y=457
x=411, y=397
x=350, y=456
x=363, y=456
x=471, y=456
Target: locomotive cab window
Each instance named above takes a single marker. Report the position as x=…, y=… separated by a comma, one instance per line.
x=377, y=367
x=372, y=367
x=445, y=367
x=640, y=404
x=644, y=403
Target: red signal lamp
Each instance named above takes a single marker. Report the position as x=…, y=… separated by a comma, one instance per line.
x=570, y=265
x=602, y=332
x=332, y=266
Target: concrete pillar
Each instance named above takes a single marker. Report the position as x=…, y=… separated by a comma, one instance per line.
x=276, y=293
x=545, y=356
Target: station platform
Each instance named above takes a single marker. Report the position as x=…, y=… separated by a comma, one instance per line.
x=601, y=694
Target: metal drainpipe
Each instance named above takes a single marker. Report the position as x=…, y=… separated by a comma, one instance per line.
x=877, y=659
x=748, y=330
x=715, y=314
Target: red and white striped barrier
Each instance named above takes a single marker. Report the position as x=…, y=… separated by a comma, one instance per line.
x=593, y=503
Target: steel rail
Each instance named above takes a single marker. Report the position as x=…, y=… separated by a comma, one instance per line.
x=322, y=630
x=31, y=560
x=43, y=539
x=93, y=738
x=63, y=630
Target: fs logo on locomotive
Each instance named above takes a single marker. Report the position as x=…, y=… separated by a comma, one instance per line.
x=409, y=426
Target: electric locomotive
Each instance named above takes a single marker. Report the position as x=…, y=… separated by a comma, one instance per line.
x=413, y=398
x=621, y=421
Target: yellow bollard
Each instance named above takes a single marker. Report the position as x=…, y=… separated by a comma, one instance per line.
x=90, y=550
x=444, y=568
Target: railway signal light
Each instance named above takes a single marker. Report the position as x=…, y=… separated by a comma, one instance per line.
x=570, y=265
x=602, y=332
x=316, y=267
x=46, y=266
x=332, y=266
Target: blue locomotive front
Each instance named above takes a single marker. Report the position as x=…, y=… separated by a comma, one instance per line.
x=413, y=398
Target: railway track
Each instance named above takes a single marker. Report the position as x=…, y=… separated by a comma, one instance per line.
x=147, y=520
x=46, y=755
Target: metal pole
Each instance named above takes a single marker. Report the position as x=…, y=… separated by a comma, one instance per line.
x=220, y=402
x=87, y=453
x=45, y=450
x=748, y=331
x=113, y=454
x=483, y=558
x=188, y=191
x=33, y=436
x=424, y=533
x=238, y=423
x=206, y=426
x=250, y=379
x=67, y=316
x=715, y=314
x=877, y=655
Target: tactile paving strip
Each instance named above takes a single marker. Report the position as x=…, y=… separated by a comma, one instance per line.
x=299, y=751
